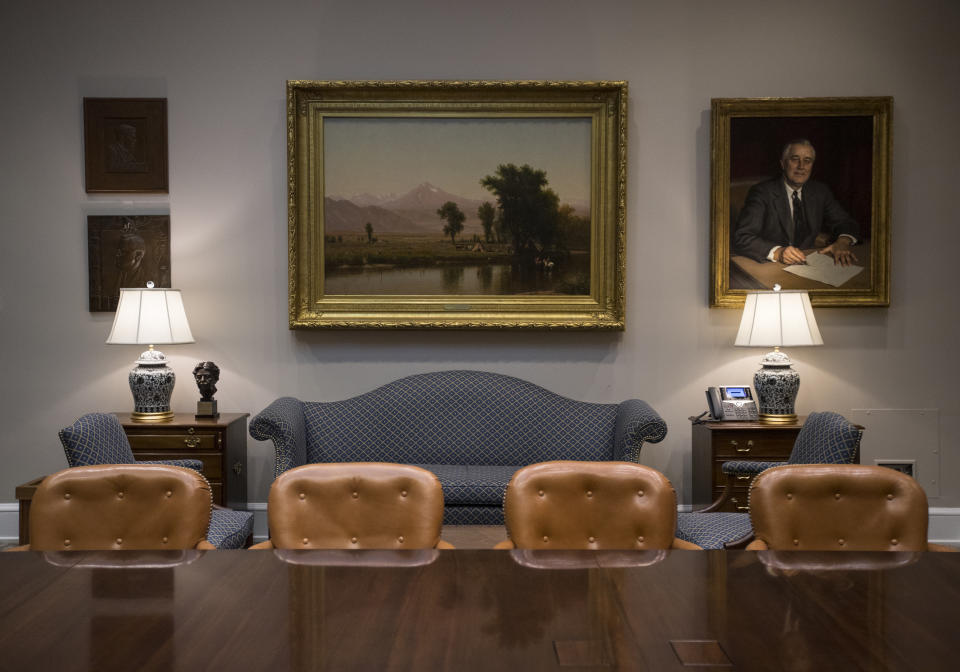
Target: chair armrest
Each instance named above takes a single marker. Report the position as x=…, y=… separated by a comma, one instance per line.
x=196, y=465
x=637, y=422
x=283, y=423
x=747, y=467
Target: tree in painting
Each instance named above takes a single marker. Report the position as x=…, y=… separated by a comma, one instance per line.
x=487, y=215
x=454, y=217
x=529, y=211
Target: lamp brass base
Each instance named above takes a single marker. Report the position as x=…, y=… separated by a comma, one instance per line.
x=778, y=419
x=166, y=416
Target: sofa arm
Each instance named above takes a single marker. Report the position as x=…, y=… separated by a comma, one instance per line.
x=636, y=422
x=282, y=422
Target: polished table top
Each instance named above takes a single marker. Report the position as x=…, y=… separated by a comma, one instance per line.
x=478, y=610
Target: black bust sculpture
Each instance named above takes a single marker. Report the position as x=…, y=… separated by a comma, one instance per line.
x=207, y=374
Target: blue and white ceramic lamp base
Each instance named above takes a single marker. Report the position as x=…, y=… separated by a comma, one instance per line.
x=777, y=385
x=151, y=383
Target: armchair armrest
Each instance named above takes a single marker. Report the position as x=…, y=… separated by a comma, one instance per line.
x=637, y=422
x=283, y=423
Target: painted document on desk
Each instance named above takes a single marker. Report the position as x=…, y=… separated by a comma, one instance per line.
x=822, y=268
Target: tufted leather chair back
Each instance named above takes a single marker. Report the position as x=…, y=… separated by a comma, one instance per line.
x=590, y=505
x=120, y=507
x=838, y=507
x=356, y=505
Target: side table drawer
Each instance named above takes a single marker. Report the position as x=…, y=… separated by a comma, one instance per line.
x=199, y=441
x=752, y=445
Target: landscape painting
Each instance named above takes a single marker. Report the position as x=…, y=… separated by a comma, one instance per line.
x=456, y=204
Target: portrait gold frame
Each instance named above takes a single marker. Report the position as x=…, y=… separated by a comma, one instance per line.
x=309, y=103
x=874, y=289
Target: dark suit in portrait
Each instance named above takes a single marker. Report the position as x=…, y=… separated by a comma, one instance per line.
x=765, y=220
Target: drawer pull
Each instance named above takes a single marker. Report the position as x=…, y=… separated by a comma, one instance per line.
x=742, y=450
x=192, y=441
x=736, y=502
x=744, y=478
x=237, y=468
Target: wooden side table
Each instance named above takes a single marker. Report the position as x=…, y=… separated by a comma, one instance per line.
x=220, y=443
x=717, y=442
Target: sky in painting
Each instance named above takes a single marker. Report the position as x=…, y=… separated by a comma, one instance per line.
x=384, y=156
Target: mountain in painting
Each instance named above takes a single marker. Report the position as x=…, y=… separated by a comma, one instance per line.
x=344, y=216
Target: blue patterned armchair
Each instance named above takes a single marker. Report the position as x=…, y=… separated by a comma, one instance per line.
x=825, y=438
x=98, y=438
x=473, y=429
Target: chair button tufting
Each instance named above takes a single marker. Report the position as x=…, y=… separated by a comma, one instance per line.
x=353, y=540
x=640, y=540
x=841, y=542
x=796, y=542
x=894, y=542
x=169, y=493
x=591, y=539
x=355, y=494
x=836, y=495
x=890, y=496
x=400, y=538
x=120, y=495
x=545, y=538
x=639, y=493
x=66, y=542
x=789, y=495
x=302, y=496
x=164, y=540
x=305, y=541
x=589, y=493
x=66, y=495
x=119, y=540
x=403, y=493
x=540, y=493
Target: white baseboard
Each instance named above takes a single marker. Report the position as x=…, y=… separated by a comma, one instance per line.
x=944, y=522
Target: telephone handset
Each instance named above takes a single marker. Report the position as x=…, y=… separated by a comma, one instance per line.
x=732, y=402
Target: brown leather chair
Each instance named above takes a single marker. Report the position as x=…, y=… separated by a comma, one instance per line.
x=590, y=505
x=120, y=507
x=355, y=505
x=838, y=507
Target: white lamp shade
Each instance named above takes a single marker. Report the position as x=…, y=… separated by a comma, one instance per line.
x=150, y=317
x=778, y=318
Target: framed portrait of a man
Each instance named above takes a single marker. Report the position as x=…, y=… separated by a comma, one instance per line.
x=125, y=145
x=800, y=198
x=126, y=251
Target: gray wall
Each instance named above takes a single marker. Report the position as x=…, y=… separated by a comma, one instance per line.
x=222, y=66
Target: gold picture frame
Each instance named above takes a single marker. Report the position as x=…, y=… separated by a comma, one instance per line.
x=851, y=138
x=378, y=174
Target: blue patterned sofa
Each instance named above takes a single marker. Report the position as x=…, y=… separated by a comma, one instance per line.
x=473, y=429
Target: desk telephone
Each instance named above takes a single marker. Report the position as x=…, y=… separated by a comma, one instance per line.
x=731, y=402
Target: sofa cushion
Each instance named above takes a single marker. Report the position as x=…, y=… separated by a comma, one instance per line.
x=472, y=485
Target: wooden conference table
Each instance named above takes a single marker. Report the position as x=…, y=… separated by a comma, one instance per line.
x=479, y=610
